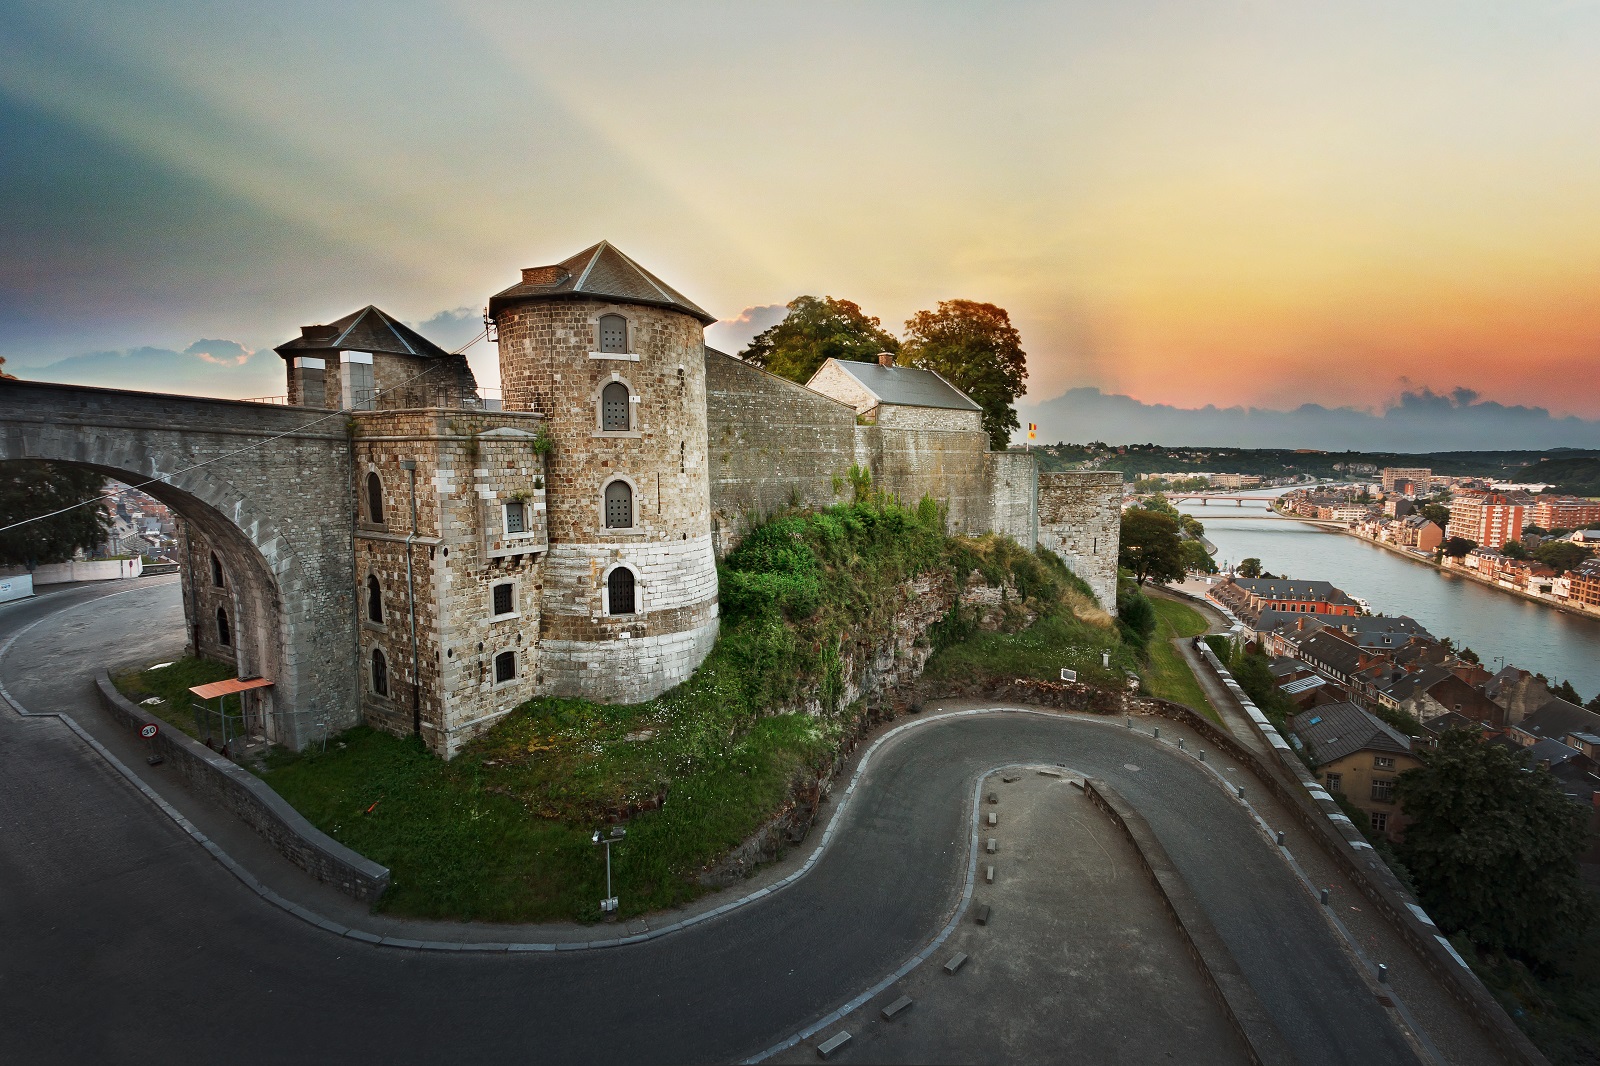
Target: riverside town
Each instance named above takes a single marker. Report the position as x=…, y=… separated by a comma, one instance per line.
x=572, y=535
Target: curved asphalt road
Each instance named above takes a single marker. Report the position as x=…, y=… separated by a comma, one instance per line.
x=120, y=940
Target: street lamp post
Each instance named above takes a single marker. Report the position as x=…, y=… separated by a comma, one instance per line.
x=609, y=904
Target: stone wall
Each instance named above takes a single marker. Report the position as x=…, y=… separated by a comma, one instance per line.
x=775, y=444
x=1011, y=481
x=900, y=416
x=1080, y=519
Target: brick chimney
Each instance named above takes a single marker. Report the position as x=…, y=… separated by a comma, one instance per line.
x=885, y=359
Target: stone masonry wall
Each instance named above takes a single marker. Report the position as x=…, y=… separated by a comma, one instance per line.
x=1080, y=519
x=899, y=416
x=1012, y=487
x=948, y=465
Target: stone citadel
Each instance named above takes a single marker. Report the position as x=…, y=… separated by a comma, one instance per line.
x=565, y=544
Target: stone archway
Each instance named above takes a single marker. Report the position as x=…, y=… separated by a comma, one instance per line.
x=267, y=488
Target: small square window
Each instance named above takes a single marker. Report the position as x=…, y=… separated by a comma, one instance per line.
x=505, y=666
x=1383, y=762
x=516, y=517
x=1379, y=821
x=504, y=598
x=1335, y=782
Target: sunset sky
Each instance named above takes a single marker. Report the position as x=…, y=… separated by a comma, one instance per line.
x=1258, y=203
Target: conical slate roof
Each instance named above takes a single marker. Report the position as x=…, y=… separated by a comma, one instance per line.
x=601, y=272
x=366, y=330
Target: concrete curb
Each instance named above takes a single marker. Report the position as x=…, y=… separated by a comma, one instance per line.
x=255, y=803
x=1245, y=1012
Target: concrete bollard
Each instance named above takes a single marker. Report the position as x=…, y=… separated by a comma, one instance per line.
x=983, y=914
x=1324, y=897
x=1202, y=755
x=1383, y=974
x=1156, y=732
x=1130, y=721
x=832, y=1044
x=988, y=874
x=993, y=820
x=992, y=846
x=1180, y=744
x=1241, y=791
x=958, y=960
x=899, y=1006
x=1280, y=838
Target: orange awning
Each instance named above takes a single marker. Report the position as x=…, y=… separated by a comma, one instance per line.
x=229, y=687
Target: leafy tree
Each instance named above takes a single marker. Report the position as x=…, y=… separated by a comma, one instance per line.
x=1437, y=513
x=1594, y=704
x=1537, y=531
x=1566, y=692
x=1560, y=555
x=1136, y=618
x=815, y=331
x=976, y=348
x=29, y=488
x=1494, y=847
x=1250, y=567
x=1513, y=549
x=1195, y=557
x=1150, y=547
x=1468, y=655
x=1457, y=547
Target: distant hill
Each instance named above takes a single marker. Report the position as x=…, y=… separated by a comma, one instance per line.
x=1137, y=459
x=1578, y=475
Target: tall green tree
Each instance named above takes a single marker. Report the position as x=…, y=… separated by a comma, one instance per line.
x=1494, y=848
x=1250, y=567
x=975, y=347
x=1457, y=547
x=1150, y=548
x=814, y=331
x=1560, y=555
x=1437, y=513
x=1195, y=557
x=29, y=488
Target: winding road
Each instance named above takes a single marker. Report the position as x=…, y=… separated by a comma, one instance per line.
x=121, y=940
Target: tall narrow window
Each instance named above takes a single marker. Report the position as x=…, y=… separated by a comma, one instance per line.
x=504, y=600
x=516, y=517
x=374, y=498
x=614, y=404
x=374, y=600
x=216, y=570
x=619, y=591
x=380, y=673
x=224, y=637
x=355, y=378
x=619, y=505
x=613, y=333
x=505, y=666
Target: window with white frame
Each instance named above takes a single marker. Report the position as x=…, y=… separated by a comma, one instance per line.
x=1383, y=762
x=1383, y=790
x=619, y=505
x=621, y=592
x=1379, y=821
x=505, y=667
x=616, y=401
x=613, y=333
x=356, y=389
x=516, y=518
x=503, y=599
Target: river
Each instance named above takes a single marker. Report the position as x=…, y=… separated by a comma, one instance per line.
x=1554, y=643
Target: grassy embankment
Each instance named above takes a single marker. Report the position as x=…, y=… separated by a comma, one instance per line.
x=501, y=833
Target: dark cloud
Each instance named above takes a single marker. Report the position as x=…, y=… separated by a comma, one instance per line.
x=731, y=335
x=206, y=368
x=1418, y=420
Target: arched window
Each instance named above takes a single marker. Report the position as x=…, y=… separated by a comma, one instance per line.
x=224, y=637
x=619, y=505
x=505, y=666
x=374, y=498
x=216, y=570
x=614, y=404
x=380, y=673
x=613, y=333
x=619, y=591
x=374, y=600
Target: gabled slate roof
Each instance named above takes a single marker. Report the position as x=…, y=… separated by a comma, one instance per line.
x=1559, y=718
x=600, y=272
x=906, y=386
x=1339, y=729
x=366, y=330
x=1280, y=588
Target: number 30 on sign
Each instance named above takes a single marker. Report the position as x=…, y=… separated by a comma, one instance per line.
x=149, y=731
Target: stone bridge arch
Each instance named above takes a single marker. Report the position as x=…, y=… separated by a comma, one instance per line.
x=267, y=487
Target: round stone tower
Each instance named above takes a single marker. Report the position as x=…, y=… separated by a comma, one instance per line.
x=614, y=359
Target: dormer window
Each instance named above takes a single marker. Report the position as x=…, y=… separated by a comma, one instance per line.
x=613, y=333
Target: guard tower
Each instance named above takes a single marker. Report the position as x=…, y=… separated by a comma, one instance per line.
x=613, y=358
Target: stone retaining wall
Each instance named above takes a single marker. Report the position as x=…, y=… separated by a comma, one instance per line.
x=221, y=781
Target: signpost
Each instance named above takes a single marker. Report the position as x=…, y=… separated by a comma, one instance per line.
x=609, y=904
x=149, y=731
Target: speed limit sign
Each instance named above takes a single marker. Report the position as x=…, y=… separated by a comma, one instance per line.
x=149, y=731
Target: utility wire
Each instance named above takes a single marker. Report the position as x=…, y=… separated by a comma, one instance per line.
x=238, y=451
